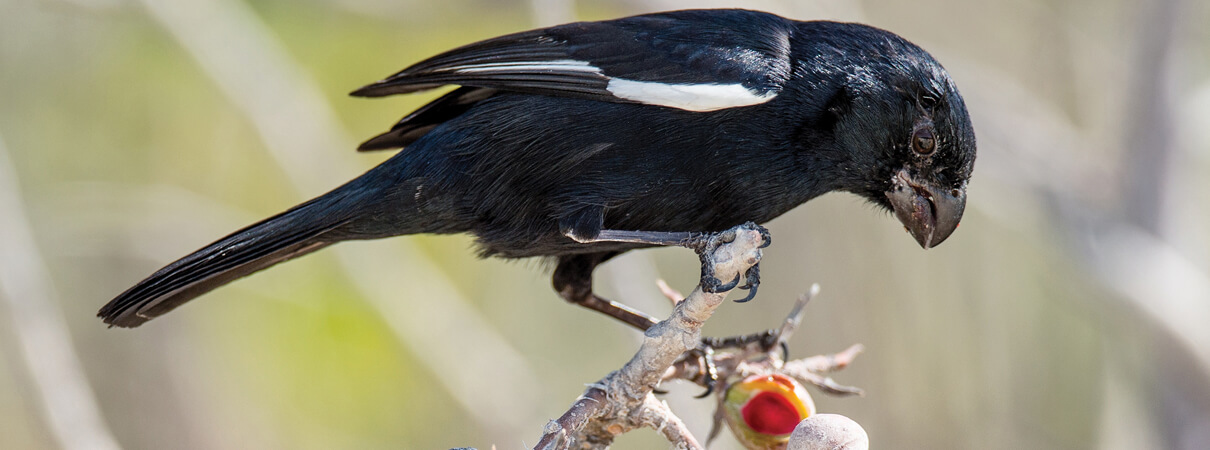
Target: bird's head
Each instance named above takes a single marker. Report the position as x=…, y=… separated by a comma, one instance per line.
x=905, y=136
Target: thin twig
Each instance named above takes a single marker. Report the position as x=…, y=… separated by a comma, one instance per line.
x=829, y=363
x=671, y=294
x=794, y=319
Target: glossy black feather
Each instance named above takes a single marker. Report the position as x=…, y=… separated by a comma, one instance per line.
x=680, y=47
x=254, y=248
x=416, y=124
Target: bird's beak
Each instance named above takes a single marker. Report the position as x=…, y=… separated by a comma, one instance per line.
x=930, y=213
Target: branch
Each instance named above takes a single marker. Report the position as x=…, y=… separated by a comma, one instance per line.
x=758, y=353
x=811, y=370
x=623, y=400
x=673, y=349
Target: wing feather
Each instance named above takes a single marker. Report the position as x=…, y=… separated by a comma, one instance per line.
x=697, y=60
x=744, y=54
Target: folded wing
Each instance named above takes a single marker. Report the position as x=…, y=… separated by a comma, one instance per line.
x=690, y=60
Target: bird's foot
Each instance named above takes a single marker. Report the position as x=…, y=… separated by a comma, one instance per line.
x=704, y=355
x=706, y=244
x=753, y=277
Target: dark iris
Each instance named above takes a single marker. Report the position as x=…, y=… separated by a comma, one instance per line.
x=923, y=141
x=928, y=102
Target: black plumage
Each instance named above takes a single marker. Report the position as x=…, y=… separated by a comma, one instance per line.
x=680, y=121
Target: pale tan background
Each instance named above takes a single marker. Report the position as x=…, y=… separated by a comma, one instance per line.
x=1070, y=310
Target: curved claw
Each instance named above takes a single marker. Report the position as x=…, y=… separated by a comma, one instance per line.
x=731, y=285
x=753, y=277
x=751, y=294
x=709, y=390
x=785, y=351
x=658, y=391
x=714, y=286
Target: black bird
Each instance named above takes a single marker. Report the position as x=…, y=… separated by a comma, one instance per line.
x=685, y=121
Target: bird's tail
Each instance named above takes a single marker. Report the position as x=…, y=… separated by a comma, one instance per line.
x=301, y=230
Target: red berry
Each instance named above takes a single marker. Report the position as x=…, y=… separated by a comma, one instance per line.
x=771, y=413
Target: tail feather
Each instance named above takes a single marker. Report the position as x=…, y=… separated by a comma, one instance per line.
x=299, y=231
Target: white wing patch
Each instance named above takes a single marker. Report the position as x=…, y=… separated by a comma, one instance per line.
x=689, y=97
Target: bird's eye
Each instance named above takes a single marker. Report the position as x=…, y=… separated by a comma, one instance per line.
x=928, y=102
x=923, y=141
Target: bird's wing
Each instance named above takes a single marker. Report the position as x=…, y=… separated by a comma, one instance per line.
x=412, y=126
x=689, y=60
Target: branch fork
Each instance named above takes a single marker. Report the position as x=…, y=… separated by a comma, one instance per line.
x=672, y=349
x=623, y=400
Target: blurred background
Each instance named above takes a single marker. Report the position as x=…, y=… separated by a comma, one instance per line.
x=1070, y=311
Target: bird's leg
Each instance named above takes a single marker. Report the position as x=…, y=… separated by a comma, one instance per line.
x=702, y=243
x=704, y=354
x=573, y=281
